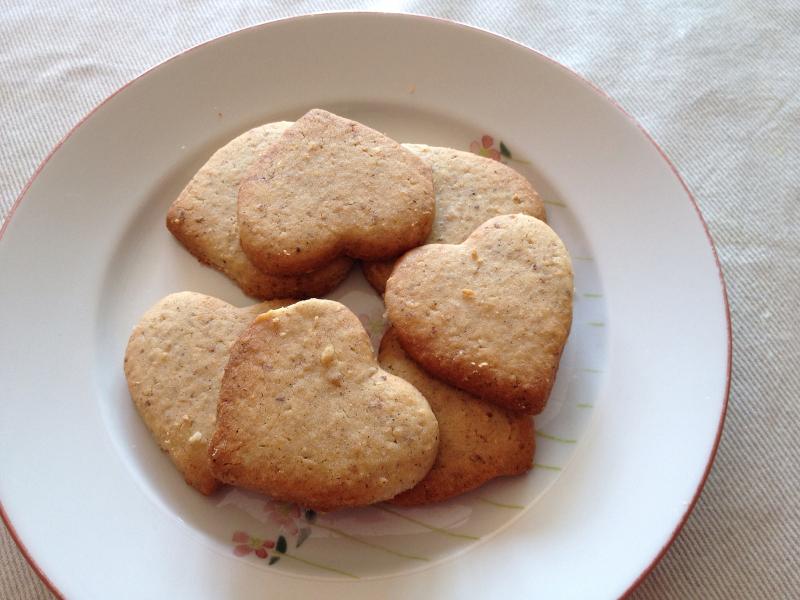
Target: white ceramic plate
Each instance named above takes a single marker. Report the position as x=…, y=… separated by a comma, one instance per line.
x=624, y=445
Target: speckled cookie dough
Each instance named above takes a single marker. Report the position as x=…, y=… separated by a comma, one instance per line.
x=478, y=440
x=306, y=414
x=174, y=364
x=203, y=219
x=490, y=315
x=469, y=189
x=331, y=187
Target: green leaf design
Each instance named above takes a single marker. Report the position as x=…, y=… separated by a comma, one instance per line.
x=280, y=545
x=504, y=150
x=274, y=559
x=302, y=536
x=310, y=515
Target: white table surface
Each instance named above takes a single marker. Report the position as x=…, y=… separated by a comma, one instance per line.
x=715, y=83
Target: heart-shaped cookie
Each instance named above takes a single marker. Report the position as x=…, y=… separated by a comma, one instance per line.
x=478, y=441
x=469, y=189
x=331, y=187
x=174, y=363
x=203, y=219
x=307, y=415
x=490, y=315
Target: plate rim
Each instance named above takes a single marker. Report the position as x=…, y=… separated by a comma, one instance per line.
x=566, y=70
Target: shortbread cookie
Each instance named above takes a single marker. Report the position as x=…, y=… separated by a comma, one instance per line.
x=306, y=415
x=332, y=187
x=469, y=189
x=478, y=441
x=490, y=315
x=203, y=219
x=174, y=364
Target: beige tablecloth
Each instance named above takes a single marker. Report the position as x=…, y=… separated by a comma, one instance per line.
x=716, y=84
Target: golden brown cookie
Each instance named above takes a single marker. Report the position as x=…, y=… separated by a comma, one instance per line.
x=174, y=364
x=331, y=187
x=490, y=315
x=203, y=219
x=469, y=189
x=306, y=415
x=478, y=441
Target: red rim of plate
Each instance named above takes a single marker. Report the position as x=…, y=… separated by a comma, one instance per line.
x=712, y=455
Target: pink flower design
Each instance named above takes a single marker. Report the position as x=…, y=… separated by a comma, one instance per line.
x=246, y=544
x=285, y=515
x=484, y=147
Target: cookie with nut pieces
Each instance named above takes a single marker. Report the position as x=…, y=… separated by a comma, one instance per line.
x=491, y=315
x=478, y=440
x=174, y=363
x=306, y=414
x=332, y=187
x=469, y=190
x=203, y=219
